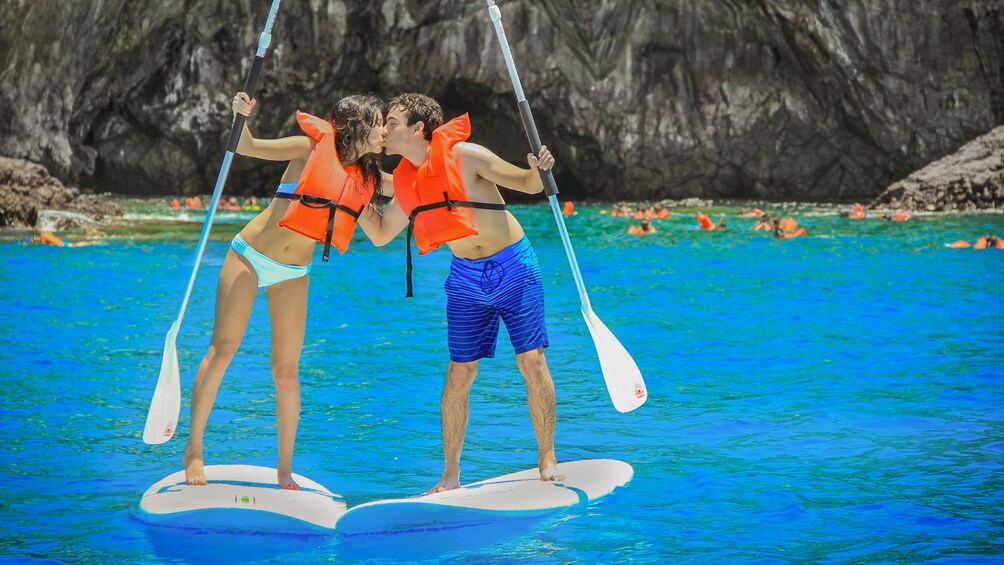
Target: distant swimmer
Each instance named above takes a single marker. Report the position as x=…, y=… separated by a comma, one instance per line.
x=705, y=223
x=568, y=209
x=229, y=204
x=986, y=242
x=175, y=204
x=645, y=228
x=754, y=213
x=660, y=212
x=989, y=241
x=251, y=205
x=620, y=211
x=857, y=212
x=46, y=237
x=765, y=222
x=897, y=216
x=788, y=228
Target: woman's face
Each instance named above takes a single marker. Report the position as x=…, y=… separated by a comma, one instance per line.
x=374, y=141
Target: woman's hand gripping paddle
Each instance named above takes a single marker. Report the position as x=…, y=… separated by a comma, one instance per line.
x=162, y=418
x=623, y=379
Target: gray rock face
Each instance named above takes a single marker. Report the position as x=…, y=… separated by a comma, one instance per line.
x=27, y=189
x=795, y=99
x=970, y=179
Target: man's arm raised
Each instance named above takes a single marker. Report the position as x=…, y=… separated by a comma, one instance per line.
x=491, y=167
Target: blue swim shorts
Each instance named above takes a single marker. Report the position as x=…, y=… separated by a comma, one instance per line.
x=479, y=292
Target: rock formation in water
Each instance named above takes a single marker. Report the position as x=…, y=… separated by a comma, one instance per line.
x=971, y=178
x=639, y=99
x=27, y=189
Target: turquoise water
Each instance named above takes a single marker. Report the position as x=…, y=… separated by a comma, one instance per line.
x=837, y=398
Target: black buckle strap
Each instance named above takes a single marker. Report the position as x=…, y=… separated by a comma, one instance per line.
x=449, y=205
x=316, y=202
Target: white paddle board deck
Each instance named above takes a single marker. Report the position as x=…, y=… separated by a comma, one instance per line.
x=241, y=498
x=517, y=495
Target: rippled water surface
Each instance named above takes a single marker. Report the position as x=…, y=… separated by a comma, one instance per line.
x=836, y=398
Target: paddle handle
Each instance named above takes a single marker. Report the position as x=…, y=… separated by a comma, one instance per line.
x=236, y=129
x=550, y=187
x=264, y=40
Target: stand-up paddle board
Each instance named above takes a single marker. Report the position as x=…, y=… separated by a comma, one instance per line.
x=241, y=498
x=517, y=495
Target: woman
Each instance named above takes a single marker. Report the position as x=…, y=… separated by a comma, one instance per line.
x=266, y=255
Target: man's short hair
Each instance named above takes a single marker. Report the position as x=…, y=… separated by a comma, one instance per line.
x=420, y=108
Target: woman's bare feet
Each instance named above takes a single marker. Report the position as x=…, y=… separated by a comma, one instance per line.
x=286, y=481
x=195, y=472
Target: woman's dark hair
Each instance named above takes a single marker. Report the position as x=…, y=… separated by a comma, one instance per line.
x=353, y=117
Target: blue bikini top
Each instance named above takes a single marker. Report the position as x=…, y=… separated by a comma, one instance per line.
x=286, y=189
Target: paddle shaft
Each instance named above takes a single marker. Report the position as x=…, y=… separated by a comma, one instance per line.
x=235, y=136
x=550, y=187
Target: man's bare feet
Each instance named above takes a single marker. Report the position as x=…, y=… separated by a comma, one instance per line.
x=449, y=481
x=195, y=473
x=548, y=466
x=286, y=481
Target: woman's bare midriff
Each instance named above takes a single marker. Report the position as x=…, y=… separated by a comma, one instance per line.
x=280, y=244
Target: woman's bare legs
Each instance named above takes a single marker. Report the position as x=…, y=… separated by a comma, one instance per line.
x=235, y=295
x=287, y=307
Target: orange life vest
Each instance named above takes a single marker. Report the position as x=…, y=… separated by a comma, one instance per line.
x=705, y=222
x=324, y=189
x=433, y=195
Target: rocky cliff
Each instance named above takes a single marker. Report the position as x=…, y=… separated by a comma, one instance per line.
x=795, y=99
x=972, y=178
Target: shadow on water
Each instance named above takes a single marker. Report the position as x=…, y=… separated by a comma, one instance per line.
x=210, y=547
x=429, y=544
x=197, y=546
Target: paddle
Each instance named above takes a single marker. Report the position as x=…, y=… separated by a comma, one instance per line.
x=623, y=379
x=162, y=418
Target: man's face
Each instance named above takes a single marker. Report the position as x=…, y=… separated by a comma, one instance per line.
x=399, y=133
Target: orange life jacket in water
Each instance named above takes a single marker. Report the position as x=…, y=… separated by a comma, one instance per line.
x=326, y=188
x=433, y=195
x=705, y=222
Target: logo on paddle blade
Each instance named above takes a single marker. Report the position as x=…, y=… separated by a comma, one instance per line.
x=639, y=391
x=168, y=431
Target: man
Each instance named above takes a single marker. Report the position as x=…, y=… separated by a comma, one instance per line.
x=449, y=188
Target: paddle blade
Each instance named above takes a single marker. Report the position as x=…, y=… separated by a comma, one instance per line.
x=162, y=418
x=622, y=376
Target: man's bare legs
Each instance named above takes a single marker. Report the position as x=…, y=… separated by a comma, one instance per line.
x=235, y=295
x=287, y=307
x=540, y=398
x=454, y=410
